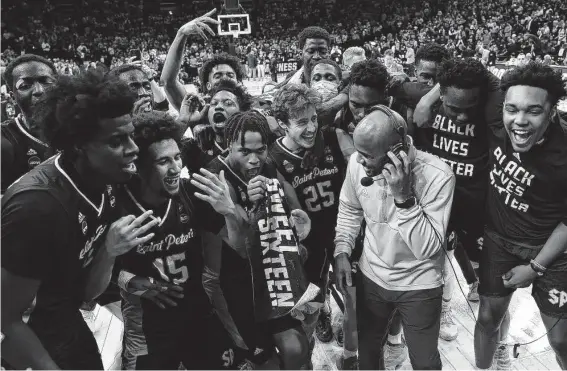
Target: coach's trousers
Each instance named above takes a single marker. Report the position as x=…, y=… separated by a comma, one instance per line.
x=421, y=314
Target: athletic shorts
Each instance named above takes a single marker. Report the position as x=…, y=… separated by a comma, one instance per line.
x=204, y=346
x=499, y=256
x=470, y=239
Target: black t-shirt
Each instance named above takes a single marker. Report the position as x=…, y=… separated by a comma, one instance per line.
x=21, y=151
x=464, y=147
x=173, y=255
x=527, y=196
x=51, y=232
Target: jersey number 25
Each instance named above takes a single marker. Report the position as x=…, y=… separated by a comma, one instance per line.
x=319, y=196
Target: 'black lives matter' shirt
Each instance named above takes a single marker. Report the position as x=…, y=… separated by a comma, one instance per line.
x=51, y=232
x=173, y=255
x=527, y=195
x=464, y=147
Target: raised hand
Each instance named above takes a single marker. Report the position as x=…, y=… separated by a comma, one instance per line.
x=128, y=232
x=215, y=189
x=193, y=108
x=199, y=25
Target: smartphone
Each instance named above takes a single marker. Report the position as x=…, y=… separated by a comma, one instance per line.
x=396, y=149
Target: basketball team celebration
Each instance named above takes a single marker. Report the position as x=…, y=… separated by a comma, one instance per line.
x=283, y=184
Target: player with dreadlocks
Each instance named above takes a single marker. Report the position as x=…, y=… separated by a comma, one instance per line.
x=246, y=167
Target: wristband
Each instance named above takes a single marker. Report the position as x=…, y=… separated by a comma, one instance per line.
x=538, y=268
x=123, y=279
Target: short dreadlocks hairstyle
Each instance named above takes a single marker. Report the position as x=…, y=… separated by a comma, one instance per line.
x=370, y=73
x=432, y=52
x=244, y=99
x=69, y=114
x=243, y=122
x=313, y=32
x=466, y=73
x=115, y=72
x=8, y=72
x=293, y=99
x=330, y=62
x=536, y=75
x=217, y=59
x=152, y=127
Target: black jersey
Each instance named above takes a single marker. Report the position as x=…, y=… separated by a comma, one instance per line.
x=318, y=190
x=527, y=195
x=194, y=158
x=173, y=255
x=236, y=274
x=51, y=232
x=21, y=151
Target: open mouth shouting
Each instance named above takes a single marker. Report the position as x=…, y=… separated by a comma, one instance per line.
x=251, y=173
x=219, y=119
x=521, y=138
x=130, y=167
x=172, y=182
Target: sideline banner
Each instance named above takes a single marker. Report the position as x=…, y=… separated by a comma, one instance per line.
x=285, y=67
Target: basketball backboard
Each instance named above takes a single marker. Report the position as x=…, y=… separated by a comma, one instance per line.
x=234, y=25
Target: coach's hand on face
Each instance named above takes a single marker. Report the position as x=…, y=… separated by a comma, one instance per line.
x=343, y=273
x=519, y=277
x=128, y=232
x=199, y=25
x=161, y=293
x=257, y=188
x=398, y=176
x=143, y=104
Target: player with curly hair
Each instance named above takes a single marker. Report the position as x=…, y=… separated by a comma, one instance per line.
x=165, y=281
x=61, y=230
x=219, y=67
x=27, y=78
x=227, y=99
x=247, y=168
x=526, y=225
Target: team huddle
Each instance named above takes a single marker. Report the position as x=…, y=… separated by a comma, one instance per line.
x=350, y=177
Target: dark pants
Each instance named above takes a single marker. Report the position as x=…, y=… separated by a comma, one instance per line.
x=421, y=314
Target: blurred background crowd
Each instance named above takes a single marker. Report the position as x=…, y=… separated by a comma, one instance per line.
x=86, y=34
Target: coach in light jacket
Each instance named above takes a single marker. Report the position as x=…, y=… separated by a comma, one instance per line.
x=405, y=201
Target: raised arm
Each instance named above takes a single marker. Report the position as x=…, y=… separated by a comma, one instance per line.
x=174, y=90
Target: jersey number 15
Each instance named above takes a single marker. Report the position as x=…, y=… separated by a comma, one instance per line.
x=173, y=270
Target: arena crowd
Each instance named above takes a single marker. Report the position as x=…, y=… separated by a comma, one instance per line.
x=139, y=173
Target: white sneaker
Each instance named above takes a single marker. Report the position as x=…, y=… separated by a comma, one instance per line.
x=448, y=331
x=395, y=355
x=501, y=360
x=473, y=292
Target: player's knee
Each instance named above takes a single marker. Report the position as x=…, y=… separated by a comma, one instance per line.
x=558, y=342
x=486, y=321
